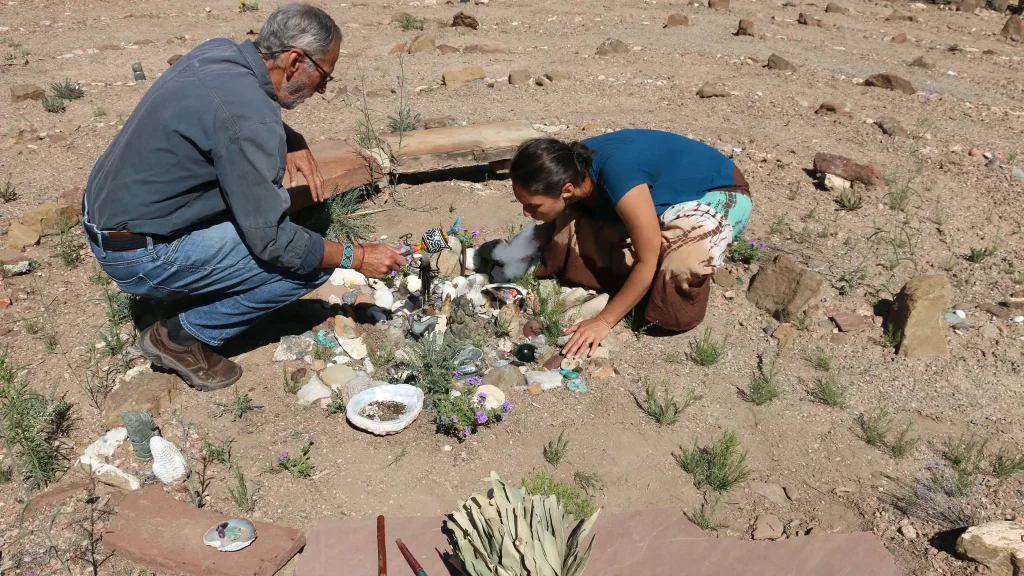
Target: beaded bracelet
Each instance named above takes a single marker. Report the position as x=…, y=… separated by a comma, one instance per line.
x=346, y=261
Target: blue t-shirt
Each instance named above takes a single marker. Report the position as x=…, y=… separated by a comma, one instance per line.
x=676, y=168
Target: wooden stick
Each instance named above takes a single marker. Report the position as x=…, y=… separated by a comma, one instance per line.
x=368, y=212
x=416, y=568
x=382, y=552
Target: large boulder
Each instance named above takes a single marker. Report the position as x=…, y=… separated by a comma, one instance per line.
x=847, y=169
x=1014, y=28
x=997, y=545
x=917, y=316
x=783, y=288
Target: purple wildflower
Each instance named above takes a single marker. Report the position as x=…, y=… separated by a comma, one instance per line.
x=282, y=456
x=455, y=419
x=309, y=437
x=762, y=243
x=753, y=242
x=506, y=407
x=466, y=431
x=393, y=273
x=482, y=396
x=475, y=232
x=481, y=417
x=457, y=374
x=475, y=380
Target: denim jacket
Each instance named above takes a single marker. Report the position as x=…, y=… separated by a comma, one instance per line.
x=205, y=144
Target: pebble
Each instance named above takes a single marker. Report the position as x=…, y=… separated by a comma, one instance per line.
x=908, y=532
x=544, y=380
x=495, y=397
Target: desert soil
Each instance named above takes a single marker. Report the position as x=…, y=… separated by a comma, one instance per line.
x=971, y=101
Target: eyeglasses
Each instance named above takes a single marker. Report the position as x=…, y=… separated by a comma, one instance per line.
x=323, y=73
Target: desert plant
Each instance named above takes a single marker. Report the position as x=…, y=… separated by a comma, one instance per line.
x=433, y=361
x=875, y=427
x=8, y=193
x=248, y=5
x=829, y=390
x=337, y=403
x=720, y=465
x=113, y=344
x=663, y=408
x=464, y=415
x=551, y=310
x=119, y=306
x=822, y=360
x=706, y=351
x=978, y=255
x=705, y=517
x=382, y=355
x=54, y=104
x=67, y=90
x=577, y=502
x=517, y=532
x=764, y=385
x=501, y=326
x=1007, y=462
x=586, y=481
x=34, y=427
x=850, y=199
x=965, y=454
x=240, y=405
x=892, y=336
x=555, y=449
x=300, y=466
x=938, y=499
x=904, y=442
x=405, y=121
x=322, y=351
x=241, y=495
x=746, y=251
x=409, y=22
x=218, y=452
x=50, y=342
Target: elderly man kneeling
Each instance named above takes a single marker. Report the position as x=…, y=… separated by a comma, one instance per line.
x=188, y=199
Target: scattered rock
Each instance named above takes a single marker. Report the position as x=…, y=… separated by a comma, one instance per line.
x=892, y=128
x=969, y=5
x=900, y=38
x=173, y=59
x=534, y=390
x=465, y=20
x=837, y=108
x=485, y=48
x=589, y=310
x=677, y=19
x=908, y=532
x=362, y=381
x=24, y=92
x=519, y=77
x=293, y=348
x=836, y=184
x=745, y=28
x=998, y=6
x=917, y=316
x=398, y=48
x=152, y=392
x=923, y=62
x=600, y=368
x=313, y=391
x=848, y=169
x=402, y=17
x=996, y=310
x=849, y=322
x=996, y=545
x=557, y=75
x=775, y=493
x=494, y=396
x=546, y=380
x=21, y=236
x=423, y=43
x=808, y=20
x=505, y=378
x=354, y=347
x=453, y=79
x=612, y=46
x=898, y=16
x=724, y=278
x=718, y=4
x=444, y=49
x=1014, y=28
x=347, y=277
x=834, y=8
x=783, y=288
x=991, y=332
x=767, y=527
x=786, y=334
x=95, y=461
x=337, y=376
x=776, y=62
x=890, y=82
x=709, y=90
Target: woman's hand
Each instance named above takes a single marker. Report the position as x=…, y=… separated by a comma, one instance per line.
x=377, y=260
x=586, y=336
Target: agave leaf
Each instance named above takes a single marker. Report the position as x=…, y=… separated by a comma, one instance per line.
x=574, y=563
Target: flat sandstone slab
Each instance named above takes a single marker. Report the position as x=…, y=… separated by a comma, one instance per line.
x=656, y=542
x=166, y=536
x=458, y=146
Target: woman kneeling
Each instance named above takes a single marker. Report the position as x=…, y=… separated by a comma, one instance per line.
x=644, y=214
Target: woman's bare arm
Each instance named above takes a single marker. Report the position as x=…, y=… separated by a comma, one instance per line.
x=637, y=211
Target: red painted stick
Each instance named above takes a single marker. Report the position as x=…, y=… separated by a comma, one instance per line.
x=382, y=552
x=416, y=568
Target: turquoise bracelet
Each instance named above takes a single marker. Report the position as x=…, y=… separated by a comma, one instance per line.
x=346, y=261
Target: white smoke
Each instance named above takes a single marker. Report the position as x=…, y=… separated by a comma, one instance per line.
x=516, y=256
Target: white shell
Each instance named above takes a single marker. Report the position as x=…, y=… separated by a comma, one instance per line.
x=169, y=466
x=413, y=284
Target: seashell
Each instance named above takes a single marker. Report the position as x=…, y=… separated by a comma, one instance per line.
x=413, y=284
x=230, y=535
x=169, y=466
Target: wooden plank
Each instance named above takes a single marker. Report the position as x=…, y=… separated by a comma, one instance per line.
x=458, y=146
x=343, y=165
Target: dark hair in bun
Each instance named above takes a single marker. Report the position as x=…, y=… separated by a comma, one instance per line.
x=546, y=165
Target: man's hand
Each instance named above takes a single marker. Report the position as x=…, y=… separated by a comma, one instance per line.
x=586, y=336
x=380, y=259
x=303, y=161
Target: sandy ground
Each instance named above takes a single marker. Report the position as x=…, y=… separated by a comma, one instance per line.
x=971, y=100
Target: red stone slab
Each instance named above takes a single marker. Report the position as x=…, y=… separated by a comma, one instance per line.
x=649, y=542
x=166, y=536
x=342, y=165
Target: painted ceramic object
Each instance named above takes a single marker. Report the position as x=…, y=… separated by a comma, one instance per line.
x=231, y=535
x=140, y=429
x=169, y=466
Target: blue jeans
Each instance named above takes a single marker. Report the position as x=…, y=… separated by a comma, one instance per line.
x=214, y=263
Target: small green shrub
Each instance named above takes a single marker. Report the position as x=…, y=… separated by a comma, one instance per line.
x=241, y=495
x=720, y=465
x=555, y=450
x=576, y=502
x=8, y=193
x=706, y=351
x=67, y=90
x=300, y=466
x=747, y=251
x=829, y=390
x=54, y=104
x=409, y=22
x=764, y=386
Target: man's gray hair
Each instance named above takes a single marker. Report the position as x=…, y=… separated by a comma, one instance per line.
x=298, y=26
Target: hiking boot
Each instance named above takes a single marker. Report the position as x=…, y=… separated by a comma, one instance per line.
x=200, y=367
